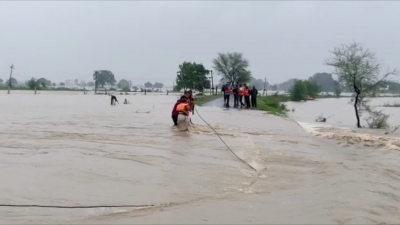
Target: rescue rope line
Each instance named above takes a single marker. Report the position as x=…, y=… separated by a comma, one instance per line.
x=78, y=207
x=225, y=142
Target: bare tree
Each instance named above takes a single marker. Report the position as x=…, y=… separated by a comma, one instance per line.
x=357, y=69
x=232, y=67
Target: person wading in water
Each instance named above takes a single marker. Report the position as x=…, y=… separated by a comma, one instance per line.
x=113, y=100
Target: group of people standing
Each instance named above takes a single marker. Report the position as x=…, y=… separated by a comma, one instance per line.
x=239, y=92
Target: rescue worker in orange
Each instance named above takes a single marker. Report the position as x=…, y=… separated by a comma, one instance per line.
x=175, y=111
x=183, y=109
x=241, y=93
x=247, y=96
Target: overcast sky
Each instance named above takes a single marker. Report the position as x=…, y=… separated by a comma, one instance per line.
x=146, y=41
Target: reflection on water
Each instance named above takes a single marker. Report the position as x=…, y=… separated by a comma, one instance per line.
x=75, y=149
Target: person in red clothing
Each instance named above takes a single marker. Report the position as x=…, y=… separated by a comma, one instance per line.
x=175, y=112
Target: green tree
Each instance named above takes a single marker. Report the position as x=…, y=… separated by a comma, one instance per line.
x=33, y=84
x=148, y=85
x=191, y=75
x=158, y=85
x=1, y=81
x=62, y=84
x=299, y=91
x=337, y=89
x=103, y=77
x=44, y=82
x=13, y=82
x=357, y=69
x=232, y=67
x=313, y=89
x=324, y=80
x=123, y=83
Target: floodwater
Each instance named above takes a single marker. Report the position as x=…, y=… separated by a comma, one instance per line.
x=71, y=149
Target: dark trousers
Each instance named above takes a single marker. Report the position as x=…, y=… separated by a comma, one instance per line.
x=226, y=98
x=247, y=100
x=254, y=101
x=241, y=100
x=236, y=100
x=175, y=119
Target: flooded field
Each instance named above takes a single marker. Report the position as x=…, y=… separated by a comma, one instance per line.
x=70, y=149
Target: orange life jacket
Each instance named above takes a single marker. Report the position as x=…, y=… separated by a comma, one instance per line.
x=183, y=108
x=246, y=92
x=228, y=89
x=241, y=91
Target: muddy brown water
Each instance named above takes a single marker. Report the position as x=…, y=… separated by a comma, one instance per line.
x=75, y=149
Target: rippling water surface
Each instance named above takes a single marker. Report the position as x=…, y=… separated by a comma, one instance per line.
x=74, y=149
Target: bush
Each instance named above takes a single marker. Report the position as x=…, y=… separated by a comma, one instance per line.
x=304, y=88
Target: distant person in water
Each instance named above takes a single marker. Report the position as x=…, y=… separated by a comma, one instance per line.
x=113, y=100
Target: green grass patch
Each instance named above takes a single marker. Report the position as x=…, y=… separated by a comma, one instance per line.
x=273, y=104
x=201, y=100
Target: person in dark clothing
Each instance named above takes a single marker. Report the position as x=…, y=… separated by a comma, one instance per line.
x=247, y=96
x=235, y=92
x=113, y=100
x=241, y=93
x=254, y=93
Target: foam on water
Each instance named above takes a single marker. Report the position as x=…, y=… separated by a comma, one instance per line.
x=352, y=136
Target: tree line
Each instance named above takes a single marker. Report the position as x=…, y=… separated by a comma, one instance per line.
x=232, y=67
x=100, y=79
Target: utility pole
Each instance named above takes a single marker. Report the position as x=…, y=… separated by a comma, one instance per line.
x=265, y=86
x=95, y=82
x=212, y=82
x=9, y=81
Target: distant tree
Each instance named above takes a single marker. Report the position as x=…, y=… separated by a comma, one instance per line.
x=148, y=85
x=76, y=82
x=337, y=89
x=44, y=82
x=134, y=88
x=90, y=84
x=125, y=89
x=259, y=84
x=62, y=84
x=357, y=69
x=191, y=75
x=33, y=84
x=83, y=83
x=13, y=82
x=103, y=77
x=287, y=85
x=123, y=83
x=392, y=86
x=1, y=81
x=304, y=88
x=232, y=67
x=53, y=84
x=274, y=87
x=158, y=85
x=324, y=80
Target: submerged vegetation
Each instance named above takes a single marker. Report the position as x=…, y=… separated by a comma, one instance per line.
x=273, y=104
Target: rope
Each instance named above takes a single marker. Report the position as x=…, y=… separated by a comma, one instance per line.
x=76, y=207
x=225, y=142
